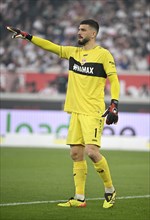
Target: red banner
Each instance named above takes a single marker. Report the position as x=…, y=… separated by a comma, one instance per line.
x=128, y=83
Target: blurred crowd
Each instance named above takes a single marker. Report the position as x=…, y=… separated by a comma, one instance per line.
x=124, y=30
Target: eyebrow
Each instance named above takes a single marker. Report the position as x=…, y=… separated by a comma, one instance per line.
x=82, y=29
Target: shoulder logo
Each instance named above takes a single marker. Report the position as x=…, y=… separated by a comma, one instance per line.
x=112, y=62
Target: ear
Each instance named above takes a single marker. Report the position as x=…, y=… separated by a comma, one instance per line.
x=94, y=33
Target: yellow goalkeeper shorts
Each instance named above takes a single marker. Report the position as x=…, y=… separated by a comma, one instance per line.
x=85, y=129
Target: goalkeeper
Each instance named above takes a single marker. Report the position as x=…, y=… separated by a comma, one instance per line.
x=89, y=67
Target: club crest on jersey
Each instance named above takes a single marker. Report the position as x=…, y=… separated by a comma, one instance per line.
x=83, y=61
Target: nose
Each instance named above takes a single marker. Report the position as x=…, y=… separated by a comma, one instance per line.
x=79, y=31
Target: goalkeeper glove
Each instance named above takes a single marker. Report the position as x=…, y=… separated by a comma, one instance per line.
x=111, y=113
x=19, y=34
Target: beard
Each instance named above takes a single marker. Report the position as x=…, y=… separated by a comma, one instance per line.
x=83, y=42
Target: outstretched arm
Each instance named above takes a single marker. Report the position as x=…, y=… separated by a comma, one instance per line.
x=46, y=45
x=40, y=42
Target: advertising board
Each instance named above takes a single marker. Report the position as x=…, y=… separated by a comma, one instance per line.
x=56, y=122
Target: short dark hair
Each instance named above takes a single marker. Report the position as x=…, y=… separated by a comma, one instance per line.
x=91, y=23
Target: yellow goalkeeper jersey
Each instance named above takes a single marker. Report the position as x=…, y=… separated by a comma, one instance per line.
x=88, y=70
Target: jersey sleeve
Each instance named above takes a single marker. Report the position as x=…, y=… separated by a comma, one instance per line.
x=62, y=51
x=109, y=64
x=114, y=86
x=110, y=69
x=66, y=51
x=46, y=45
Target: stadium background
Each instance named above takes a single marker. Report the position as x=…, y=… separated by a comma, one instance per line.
x=33, y=82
